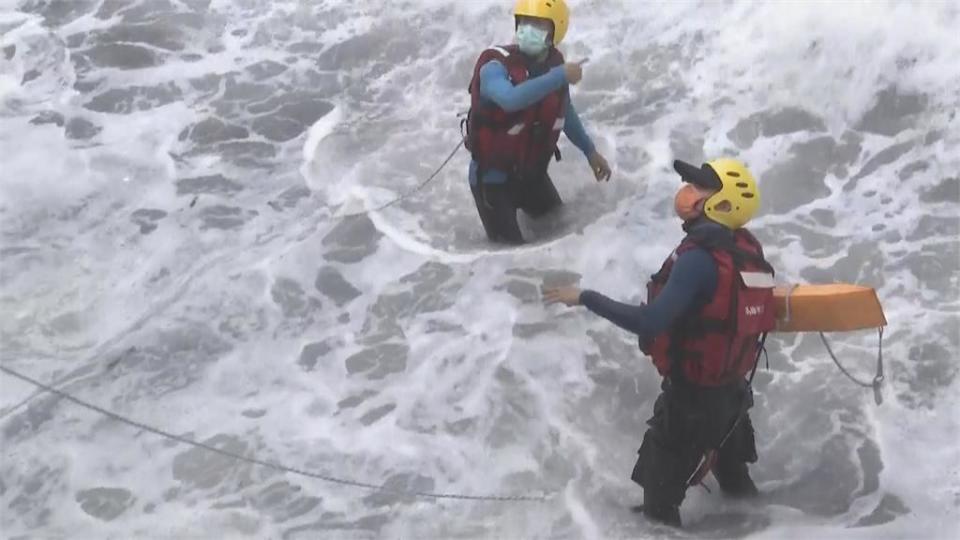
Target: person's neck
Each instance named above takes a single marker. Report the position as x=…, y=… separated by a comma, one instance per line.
x=701, y=223
x=540, y=58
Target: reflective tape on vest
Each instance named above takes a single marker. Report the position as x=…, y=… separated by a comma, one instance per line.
x=757, y=280
x=515, y=130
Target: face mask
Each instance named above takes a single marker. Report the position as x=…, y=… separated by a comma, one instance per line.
x=688, y=204
x=532, y=40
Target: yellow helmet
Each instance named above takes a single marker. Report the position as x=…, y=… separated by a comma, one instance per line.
x=554, y=10
x=736, y=198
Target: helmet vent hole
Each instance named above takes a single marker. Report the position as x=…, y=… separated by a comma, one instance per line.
x=549, y=4
x=748, y=195
x=743, y=185
x=733, y=174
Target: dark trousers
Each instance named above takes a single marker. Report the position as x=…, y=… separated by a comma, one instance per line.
x=497, y=205
x=687, y=421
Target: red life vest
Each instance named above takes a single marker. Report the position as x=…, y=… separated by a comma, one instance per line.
x=720, y=343
x=520, y=142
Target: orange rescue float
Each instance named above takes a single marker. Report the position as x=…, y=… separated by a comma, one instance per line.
x=835, y=307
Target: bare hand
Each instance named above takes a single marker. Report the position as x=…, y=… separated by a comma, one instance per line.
x=574, y=71
x=601, y=169
x=568, y=295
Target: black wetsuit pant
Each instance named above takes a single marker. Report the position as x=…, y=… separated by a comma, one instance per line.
x=497, y=205
x=687, y=421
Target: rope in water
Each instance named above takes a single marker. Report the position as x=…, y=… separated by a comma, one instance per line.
x=271, y=464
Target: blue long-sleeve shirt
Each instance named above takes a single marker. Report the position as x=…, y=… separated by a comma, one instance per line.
x=691, y=285
x=496, y=87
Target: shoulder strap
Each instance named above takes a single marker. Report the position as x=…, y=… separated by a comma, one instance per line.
x=729, y=245
x=501, y=53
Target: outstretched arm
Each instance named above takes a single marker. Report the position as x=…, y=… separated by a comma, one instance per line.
x=694, y=277
x=692, y=281
x=495, y=85
x=574, y=130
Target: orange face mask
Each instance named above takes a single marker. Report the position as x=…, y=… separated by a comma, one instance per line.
x=688, y=204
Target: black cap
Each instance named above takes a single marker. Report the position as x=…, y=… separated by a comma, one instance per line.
x=703, y=176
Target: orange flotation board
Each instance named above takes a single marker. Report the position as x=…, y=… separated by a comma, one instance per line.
x=835, y=307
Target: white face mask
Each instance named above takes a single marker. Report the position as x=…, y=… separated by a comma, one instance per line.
x=532, y=40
